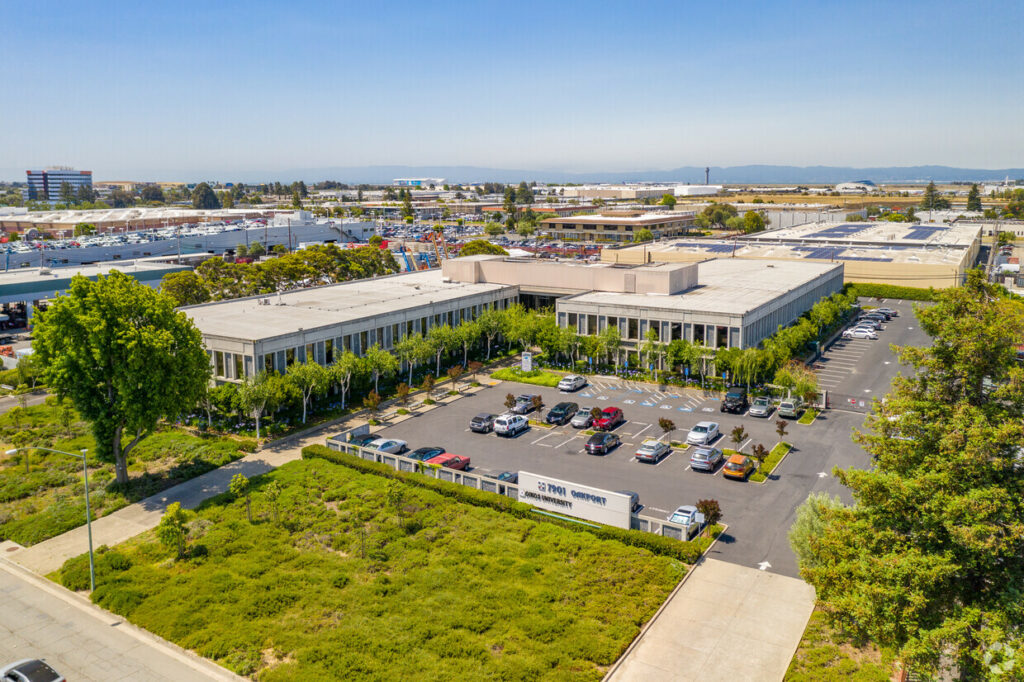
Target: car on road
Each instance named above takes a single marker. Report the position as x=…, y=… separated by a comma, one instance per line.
x=860, y=333
x=735, y=400
x=634, y=500
x=392, y=446
x=509, y=425
x=688, y=517
x=524, y=404
x=609, y=419
x=30, y=670
x=561, y=413
x=450, y=461
x=362, y=441
x=706, y=459
x=790, y=408
x=761, y=407
x=602, y=443
x=738, y=467
x=583, y=418
x=482, y=423
x=652, y=451
x=423, y=454
x=572, y=382
x=703, y=433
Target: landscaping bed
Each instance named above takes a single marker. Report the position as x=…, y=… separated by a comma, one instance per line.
x=346, y=574
x=770, y=462
x=537, y=377
x=808, y=417
x=826, y=655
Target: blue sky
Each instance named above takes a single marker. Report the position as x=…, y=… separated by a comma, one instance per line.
x=181, y=90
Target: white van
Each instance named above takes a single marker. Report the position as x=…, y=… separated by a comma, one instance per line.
x=509, y=425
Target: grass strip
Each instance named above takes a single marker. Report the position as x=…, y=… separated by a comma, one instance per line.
x=770, y=462
x=537, y=377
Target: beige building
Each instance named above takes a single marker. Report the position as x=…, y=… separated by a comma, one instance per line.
x=633, y=192
x=915, y=255
x=617, y=226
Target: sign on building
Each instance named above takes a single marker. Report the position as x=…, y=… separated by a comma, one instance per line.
x=527, y=362
x=573, y=499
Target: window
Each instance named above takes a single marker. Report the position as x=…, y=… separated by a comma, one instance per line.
x=409, y=328
x=698, y=334
x=591, y=324
x=634, y=329
x=364, y=338
x=239, y=370
x=310, y=352
x=451, y=318
x=289, y=357
x=328, y=351
x=219, y=355
x=721, y=337
x=423, y=326
x=395, y=334
x=655, y=327
x=380, y=336
x=677, y=331
x=268, y=362
x=572, y=321
x=347, y=342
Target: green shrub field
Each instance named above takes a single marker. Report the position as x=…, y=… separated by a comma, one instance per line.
x=49, y=499
x=350, y=575
x=537, y=377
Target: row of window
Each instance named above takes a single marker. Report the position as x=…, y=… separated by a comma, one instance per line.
x=636, y=329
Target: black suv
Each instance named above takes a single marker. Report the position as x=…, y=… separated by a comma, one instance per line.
x=562, y=413
x=735, y=400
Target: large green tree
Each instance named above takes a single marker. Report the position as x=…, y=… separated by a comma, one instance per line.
x=204, y=197
x=124, y=356
x=974, y=198
x=185, y=288
x=477, y=247
x=927, y=561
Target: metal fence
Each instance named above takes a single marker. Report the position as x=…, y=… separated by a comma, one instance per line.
x=338, y=443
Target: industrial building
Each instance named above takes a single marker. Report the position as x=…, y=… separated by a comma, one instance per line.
x=908, y=254
x=697, y=190
x=45, y=185
x=634, y=192
x=617, y=226
x=136, y=218
x=721, y=303
x=419, y=182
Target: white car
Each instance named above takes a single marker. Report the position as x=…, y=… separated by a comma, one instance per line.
x=688, y=516
x=572, y=382
x=509, y=425
x=703, y=433
x=30, y=670
x=389, y=445
x=859, y=333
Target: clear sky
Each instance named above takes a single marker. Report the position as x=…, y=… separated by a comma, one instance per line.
x=178, y=90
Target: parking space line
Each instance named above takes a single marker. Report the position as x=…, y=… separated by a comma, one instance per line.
x=637, y=434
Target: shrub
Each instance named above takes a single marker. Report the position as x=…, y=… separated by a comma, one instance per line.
x=890, y=291
x=402, y=411
x=537, y=377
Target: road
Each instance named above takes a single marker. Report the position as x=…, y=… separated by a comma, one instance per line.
x=84, y=642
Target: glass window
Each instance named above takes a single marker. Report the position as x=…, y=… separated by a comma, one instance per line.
x=721, y=337
x=220, y=363
x=677, y=331
x=655, y=327
x=423, y=326
x=451, y=319
x=634, y=328
x=572, y=320
x=268, y=362
x=347, y=342
x=310, y=352
x=289, y=357
x=239, y=371
x=364, y=338
x=328, y=351
x=591, y=324
x=409, y=328
x=380, y=336
x=698, y=334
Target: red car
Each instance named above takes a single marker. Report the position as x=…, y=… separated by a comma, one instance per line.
x=609, y=419
x=449, y=460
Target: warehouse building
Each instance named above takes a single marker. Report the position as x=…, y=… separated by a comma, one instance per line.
x=618, y=226
x=915, y=255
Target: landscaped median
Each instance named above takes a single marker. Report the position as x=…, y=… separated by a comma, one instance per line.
x=537, y=377
x=808, y=417
x=770, y=462
x=346, y=571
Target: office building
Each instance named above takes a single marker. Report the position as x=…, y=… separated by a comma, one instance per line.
x=616, y=226
x=45, y=185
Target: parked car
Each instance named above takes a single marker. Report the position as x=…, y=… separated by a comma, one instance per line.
x=703, y=433
x=706, y=459
x=790, y=408
x=870, y=323
x=652, y=451
x=877, y=317
x=450, y=461
x=509, y=425
x=602, y=443
x=609, y=419
x=888, y=312
x=508, y=476
x=423, y=454
x=735, y=400
x=482, y=423
x=688, y=517
x=30, y=670
x=634, y=500
x=761, y=407
x=524, y=404
x=860, y=333
x=362, y=441
x=572, y=382
x=391, y=446
x=583, y=418
x=562, y=412
x=738, y=467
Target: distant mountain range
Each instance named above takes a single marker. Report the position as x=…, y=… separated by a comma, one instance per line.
x=753, y=174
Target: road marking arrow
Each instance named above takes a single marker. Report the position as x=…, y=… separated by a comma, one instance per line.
x=822, y=474
x=764, y=565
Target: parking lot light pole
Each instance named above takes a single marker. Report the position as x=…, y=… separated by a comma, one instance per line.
x=88, y=512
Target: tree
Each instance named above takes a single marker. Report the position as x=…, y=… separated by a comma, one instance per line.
x=974, y=199
x=524, y=195
x=927, y=559
x=372, y=402
x=712, y=512
x=185, y=288
x=256, y=250
x=474, y=368
x=296, y=199
x=119, y=198
x=467, y=334
x=537, y=402
x=428, y=383
x=933, y=199
x=809, y=526
x=454, y=373
x=380, y=363
x=310, y=378
x=760, y=453
x=493, y=229
x=753, y=222
x=124, y=357
x=643, y=235
x=203, y=197
x=375, y=240
x=344, y=367
x=716, y=215
x=273, y=493
x=477, y=247
x=171, y=530
x=239, y=487
x=442, y=340
x=668, y=200
x=490, y=323
x=67, y=193
x=510, y=401
x=1005, y=238
x=407, y=210
x=667, y=426
x=84, y=229
x=402, y=393
x=738, y=435
x=28, y=370
x=257, y=395
x=780, y=428
x=152, y=193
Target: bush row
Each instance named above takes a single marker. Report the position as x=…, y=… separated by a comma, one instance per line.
x=687, y=552
x=536, y=377
x=890, y=291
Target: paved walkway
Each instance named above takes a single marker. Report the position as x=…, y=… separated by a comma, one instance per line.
x=84, y=642
x=726, y=622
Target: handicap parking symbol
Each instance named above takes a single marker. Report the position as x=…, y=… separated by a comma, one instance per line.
x=629, y=402
x=666, y=407
x=602, y=397
x=686, y=409
x=635, y=390
x=647, y=403
x=586, y=395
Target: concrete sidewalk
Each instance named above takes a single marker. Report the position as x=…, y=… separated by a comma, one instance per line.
x=726, y=622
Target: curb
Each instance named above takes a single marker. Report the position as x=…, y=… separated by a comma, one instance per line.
x=194, y=661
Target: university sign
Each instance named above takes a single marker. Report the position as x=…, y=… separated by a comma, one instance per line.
x=572, y=499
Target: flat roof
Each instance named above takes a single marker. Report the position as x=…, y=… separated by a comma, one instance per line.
x=43, y=275
x=135, y=213
x=725, y=286
x=317, y=307
x=879, y=232
x=641, y=219
x=889, y=253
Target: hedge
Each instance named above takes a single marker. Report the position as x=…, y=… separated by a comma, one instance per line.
x=537, y=377
x=687, y=552
x=891, y=291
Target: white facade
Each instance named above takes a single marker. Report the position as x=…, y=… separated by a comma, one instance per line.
x=697, y=190
x=572, y=499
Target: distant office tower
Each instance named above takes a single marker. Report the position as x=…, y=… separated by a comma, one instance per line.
x=45, y=185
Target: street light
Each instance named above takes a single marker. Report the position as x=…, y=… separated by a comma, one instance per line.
x=88, y=514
